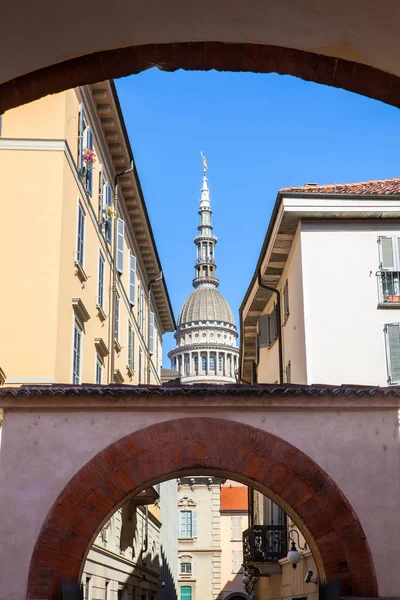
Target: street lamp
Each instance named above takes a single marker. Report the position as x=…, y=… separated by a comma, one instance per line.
x=294, y=555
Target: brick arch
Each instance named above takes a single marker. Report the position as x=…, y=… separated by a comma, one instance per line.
x=174, y=447
x=257, y=58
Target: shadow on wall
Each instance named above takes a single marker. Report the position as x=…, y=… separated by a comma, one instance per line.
x=168, y=590
x=233, y=589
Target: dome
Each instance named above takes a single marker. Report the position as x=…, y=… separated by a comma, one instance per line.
x=206, y=303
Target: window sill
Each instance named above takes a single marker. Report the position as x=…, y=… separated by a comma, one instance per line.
x=80, y=272
x=129, y=371
x=285, y=318
x=186, y=539
x=118, y=378
x=101, y=347
x=100, y=313
x=388, y=305
x=117, y=346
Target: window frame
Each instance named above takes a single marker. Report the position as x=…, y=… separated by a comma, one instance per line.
x=80, y=235
x=186, y=571
x=131, y=348
x=116, y=318
x=389, y=351
x=188, y=596
x=235, y=560
x=236, y=526
x=100, y=282
x=77, y=352
x=99, y=369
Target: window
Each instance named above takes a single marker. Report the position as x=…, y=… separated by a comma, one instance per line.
x=389, y=269
x=196, y=365
x=132, y=279
x=237, y=560
x=212, y=362
x=204, y=363
x=108, y=226
x=267, y=329
x=100, y=290
x=186, y=592
x=141, y=307
x=236, y=528
x=120, y=245
x=99, y=370
x=116, y=323
x=220, y=363
x=76, y=360
x=140, y=367
x=392, y=342
x=289, y=372
x=85, y=141
x=131, y=348
x=80, y=243
x=186, y=567
x=188, y=524
x=286, y=299
x=151, y=333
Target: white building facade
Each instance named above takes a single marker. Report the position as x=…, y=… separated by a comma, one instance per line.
x=206, y=335
x=332, y=254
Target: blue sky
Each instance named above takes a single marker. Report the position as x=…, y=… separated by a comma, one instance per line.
x=259, y=133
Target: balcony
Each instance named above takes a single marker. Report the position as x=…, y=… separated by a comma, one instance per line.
x=264, y=544
x=389, y=288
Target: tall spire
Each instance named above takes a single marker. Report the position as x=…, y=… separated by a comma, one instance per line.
x=205, y=268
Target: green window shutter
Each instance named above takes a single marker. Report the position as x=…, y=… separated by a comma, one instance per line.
x=392, y=337
x=387, y=259
x=186, y=592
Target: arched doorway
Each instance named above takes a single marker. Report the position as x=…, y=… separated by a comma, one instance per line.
x=207, y=445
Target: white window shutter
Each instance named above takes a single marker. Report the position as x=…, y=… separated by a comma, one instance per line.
x=80, y=137
x=194, y=523
x=151, y=340
x=182, y=523
x=393, y=352
x=120, y=245
x=132, y=279
x=386, y=253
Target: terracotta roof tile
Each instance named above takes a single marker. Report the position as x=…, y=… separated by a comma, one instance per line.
x=383, y=187
x=234, y=498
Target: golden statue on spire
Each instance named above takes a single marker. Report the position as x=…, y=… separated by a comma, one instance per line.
x=205, y=166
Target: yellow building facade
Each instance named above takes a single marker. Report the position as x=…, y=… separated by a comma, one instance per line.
x=84, y=300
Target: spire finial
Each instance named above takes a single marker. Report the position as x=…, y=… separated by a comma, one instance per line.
x=205, y=166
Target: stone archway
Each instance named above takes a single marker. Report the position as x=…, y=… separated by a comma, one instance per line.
x=164, y=450
x=240, y=57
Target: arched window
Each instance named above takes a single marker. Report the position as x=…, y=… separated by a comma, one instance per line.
x=196, y=365
x=212, y=362
x=204, y=362
x=220, y=363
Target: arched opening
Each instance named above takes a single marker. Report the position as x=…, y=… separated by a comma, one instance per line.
x=240, y=57
x=199, y=445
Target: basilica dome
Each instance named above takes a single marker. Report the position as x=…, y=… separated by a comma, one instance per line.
x=206, y=303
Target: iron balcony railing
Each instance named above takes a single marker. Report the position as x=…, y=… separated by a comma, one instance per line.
x=388, y=286
x=264, y=543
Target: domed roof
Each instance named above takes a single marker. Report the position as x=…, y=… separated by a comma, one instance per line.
x=206, y=303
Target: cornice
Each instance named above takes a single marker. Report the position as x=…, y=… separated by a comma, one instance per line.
x=203, y=348
x=206, y=397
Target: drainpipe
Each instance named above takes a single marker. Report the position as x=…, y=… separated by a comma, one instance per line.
x=114, y=269
x=159, y=278
x=279, y=322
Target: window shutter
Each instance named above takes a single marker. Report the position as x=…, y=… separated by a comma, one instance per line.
x=81, y=235
x=286, y=298
x=151, y=337
x=194, y=523
x=120, y=245
x=392, y=332
x=102, y=194
x=132, y=279
x=182, y=524
x=263, y=331
x=386, y=253
x=108, y=193
x=100, y=292
x=80, y=137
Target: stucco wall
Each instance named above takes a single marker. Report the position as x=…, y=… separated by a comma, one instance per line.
x=344, y=328
x=231, y=582
x=42, y=450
